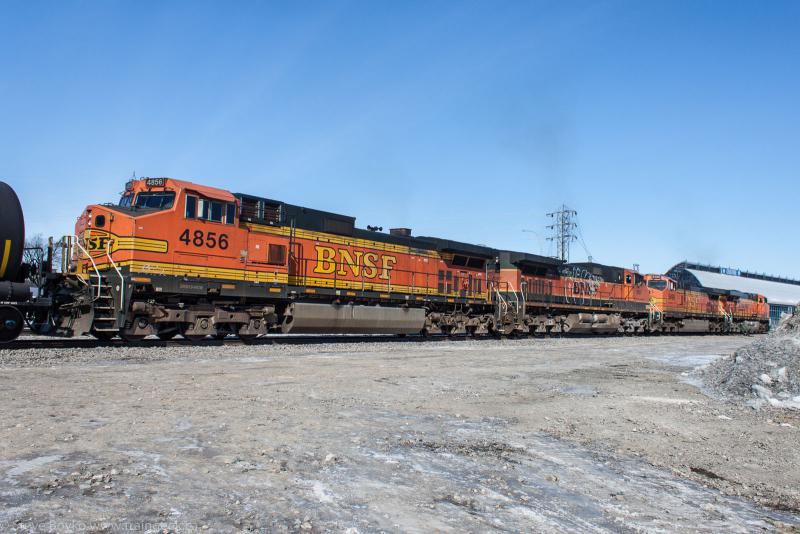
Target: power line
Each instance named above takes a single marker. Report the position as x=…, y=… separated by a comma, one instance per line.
x=563, y=228
x=583, y=242
x=538, y=238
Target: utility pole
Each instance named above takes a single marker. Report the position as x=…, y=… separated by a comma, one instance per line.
x=563, y=230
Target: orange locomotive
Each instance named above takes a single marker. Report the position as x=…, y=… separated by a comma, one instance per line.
x=174, y=257
x=705, y=310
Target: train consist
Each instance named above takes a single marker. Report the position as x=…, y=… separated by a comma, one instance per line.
x=173, y=257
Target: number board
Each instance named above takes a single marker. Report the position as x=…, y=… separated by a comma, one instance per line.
x=155, y=182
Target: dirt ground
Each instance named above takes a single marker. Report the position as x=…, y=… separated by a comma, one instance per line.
x=588, y=435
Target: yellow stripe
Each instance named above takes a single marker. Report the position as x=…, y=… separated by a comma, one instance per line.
x=143, y=244
x=6, y=254
x=220, y=273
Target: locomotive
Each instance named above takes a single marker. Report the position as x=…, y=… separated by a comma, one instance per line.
x=173, y=257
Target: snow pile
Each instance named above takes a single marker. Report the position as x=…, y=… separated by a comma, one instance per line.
x=766, y=373
x=791, y=324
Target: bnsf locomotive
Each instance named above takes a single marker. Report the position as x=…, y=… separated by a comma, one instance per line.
x=172, y=257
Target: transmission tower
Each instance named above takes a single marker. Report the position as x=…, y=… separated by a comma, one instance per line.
x=563, y=230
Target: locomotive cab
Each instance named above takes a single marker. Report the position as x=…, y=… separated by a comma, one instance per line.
x=158, y=216
x=657, y=282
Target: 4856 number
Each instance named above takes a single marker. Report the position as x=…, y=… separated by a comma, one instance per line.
x=207, y=239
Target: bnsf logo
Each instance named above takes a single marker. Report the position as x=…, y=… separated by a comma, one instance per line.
x=356, y=263
x=97, y=241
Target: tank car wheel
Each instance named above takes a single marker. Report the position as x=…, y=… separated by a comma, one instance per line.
x=11, y=323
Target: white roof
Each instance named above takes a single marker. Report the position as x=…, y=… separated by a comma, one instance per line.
x=776, y=292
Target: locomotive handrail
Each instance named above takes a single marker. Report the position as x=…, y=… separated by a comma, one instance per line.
x=511, y=287
x=94, y=265
x=119, y=273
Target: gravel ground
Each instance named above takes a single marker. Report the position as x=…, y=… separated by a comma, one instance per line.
x=591, y=435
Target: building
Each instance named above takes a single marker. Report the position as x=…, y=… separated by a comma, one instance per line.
x=783, y=294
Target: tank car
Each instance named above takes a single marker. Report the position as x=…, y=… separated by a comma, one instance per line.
x=13, y=288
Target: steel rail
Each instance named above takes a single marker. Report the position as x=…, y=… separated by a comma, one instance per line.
x=318, y=339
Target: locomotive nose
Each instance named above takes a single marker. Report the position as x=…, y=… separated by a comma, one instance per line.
x=12, y=233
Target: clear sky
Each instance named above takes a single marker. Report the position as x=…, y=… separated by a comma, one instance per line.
x=672, y=127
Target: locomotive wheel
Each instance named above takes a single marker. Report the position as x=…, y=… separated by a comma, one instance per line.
x=192, y=338
x=11, y=323
x=131, y=338
x=103, y=336
x=167, y=334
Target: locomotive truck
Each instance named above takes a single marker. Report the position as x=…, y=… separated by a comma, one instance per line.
x=173, y=257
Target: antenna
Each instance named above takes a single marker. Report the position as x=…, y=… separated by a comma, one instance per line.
x=562, y=228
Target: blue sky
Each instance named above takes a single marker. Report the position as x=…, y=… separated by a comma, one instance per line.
x=672, y=127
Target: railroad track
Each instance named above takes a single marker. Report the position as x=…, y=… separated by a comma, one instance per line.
x=297, y=339
x=88, y=342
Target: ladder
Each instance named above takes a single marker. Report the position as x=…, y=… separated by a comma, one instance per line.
x=104, y=324
x=728, y=316
x=655, y=313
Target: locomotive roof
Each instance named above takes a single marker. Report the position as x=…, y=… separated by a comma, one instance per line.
x=608, y=273
x=467, y=249
x=325, y=221
x=530, y=263
x=211, y=192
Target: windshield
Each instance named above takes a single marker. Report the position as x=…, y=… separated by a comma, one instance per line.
x=660, y=285
x=159, y=201
x=125, y=201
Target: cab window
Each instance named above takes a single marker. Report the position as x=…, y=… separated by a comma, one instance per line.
x=660, y=285
x=214, y=211
x=159, y=201
x=125, y=200
x=191, y=207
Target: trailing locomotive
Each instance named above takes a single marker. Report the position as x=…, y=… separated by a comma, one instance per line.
x=173, y=257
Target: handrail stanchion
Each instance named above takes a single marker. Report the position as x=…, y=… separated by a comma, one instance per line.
x=94, y=265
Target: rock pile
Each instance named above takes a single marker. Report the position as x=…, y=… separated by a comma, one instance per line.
x=765, y=373
x=791, y=324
